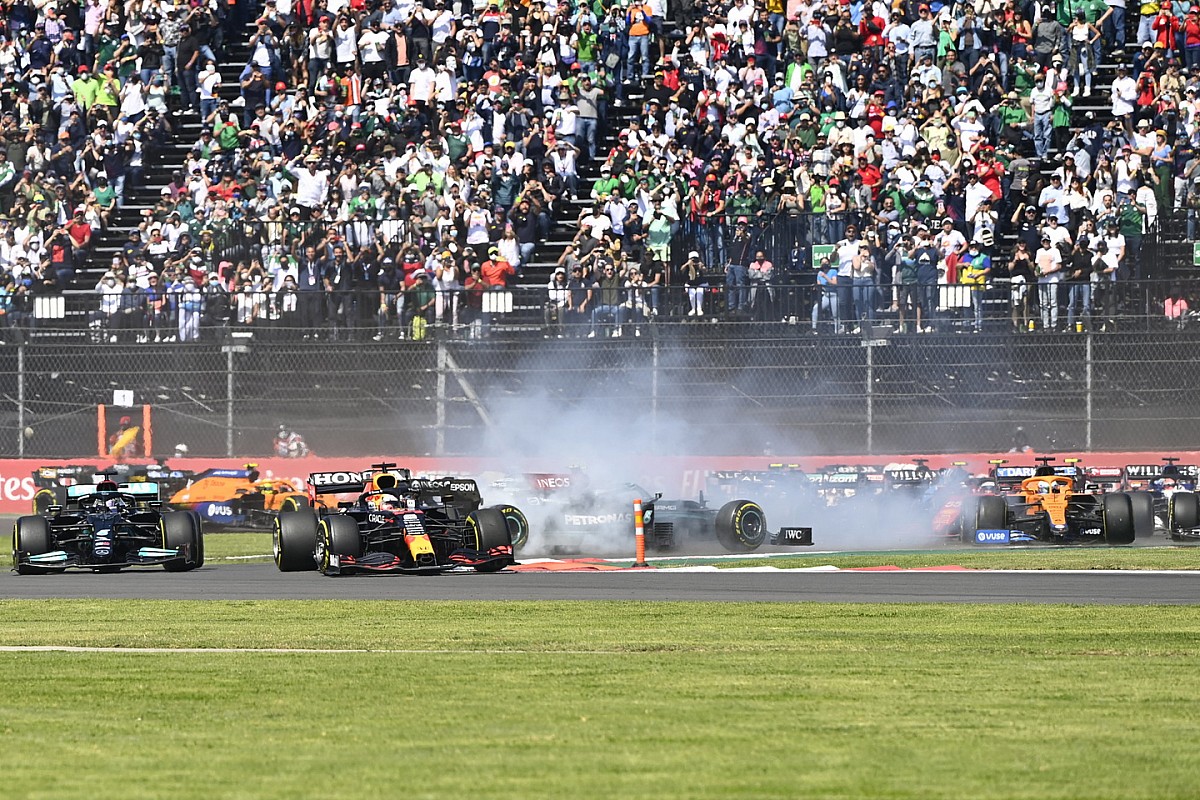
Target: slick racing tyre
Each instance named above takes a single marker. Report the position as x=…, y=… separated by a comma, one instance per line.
x=741, y=526
x=339, y=536
x=1183, y=514
x=181, y=528
x=295, y=502
x=31, y=535
x=1143, y=514
x=991, y=514
x=43, y=499
x=294, y=541
x=1118, y=519
x=518, y=526
x=488, y=528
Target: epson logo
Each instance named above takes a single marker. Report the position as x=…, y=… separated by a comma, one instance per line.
x=334, y=478
x=596, y=519
x=991, y=537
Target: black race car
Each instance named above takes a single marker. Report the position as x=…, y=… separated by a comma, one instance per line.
x=574, y=515
x=396, y=523
x=51, y=483
x=105, y=527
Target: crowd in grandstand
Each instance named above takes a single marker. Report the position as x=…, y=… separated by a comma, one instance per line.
x=390, y=164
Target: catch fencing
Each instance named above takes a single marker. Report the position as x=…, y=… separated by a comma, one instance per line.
x=742, y=389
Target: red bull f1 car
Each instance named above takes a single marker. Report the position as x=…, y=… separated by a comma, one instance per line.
x=395, y=523
x=106, y=527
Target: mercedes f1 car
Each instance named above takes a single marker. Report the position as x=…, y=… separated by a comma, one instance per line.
x=239, y=498
x=395, y=523
x=1045, y=506
x=51, y=482
x=575, y=516
x=106, y=527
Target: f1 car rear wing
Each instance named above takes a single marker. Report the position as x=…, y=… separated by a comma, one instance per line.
x=338, y=482
x=913, y=476
x=1148, y=472
x=448, y=489
x=1011, y=476
x=141, y=490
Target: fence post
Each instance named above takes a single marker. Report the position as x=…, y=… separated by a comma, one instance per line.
x=870, y=398
x=440, y=448
x=21, y=400
x=654, y=396
x=1088, y=390
x=229, y=401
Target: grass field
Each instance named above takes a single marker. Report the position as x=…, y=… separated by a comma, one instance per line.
x=600, y=700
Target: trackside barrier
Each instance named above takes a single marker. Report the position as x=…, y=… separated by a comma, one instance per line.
x=639, y=534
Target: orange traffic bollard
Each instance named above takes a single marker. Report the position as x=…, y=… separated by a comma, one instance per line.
x=639, y=534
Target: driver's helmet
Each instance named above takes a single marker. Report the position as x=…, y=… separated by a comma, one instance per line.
x=114, y=503
x=988, y=487
x=1167, y=483
x=1043, y=487
x=385, y=501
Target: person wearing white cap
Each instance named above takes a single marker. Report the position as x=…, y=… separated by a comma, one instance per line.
x=557, y=302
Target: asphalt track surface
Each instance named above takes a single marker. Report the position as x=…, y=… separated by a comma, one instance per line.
x=264, y=582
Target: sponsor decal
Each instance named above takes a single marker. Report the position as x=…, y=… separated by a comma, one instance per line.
x=992, y=536
x=550, y=481
x=380, y=519
x=334, y=478
x=1155, y=470
x=1090, y=532
x=219, y=510
x=596, y=519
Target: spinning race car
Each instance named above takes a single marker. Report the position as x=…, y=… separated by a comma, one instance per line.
x=577, y=516
x=106, y=527
x=396, y=523
x=1041, y=504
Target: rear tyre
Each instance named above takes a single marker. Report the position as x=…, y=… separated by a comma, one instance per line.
x=1143, y=514
x=43, y=499
x=1183, y=512
x=518, y=525
x=340, y=537
x=1118, y=519
x=294, y=541
x=488, y=529
x=294, y=503
x=180, y=528
x=31, y=535
x=741, y=526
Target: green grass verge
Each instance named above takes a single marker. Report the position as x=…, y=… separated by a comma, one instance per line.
x=596, y=700
x=1156, y=558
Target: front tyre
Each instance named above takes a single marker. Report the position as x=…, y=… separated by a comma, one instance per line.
x=488, y=533
x=1183, y=514
x=340, y=537
x=1143, y=514
x=180, y=529
x=518, y=525
x=294, y=541
x=1118, y=519
x=31, y=535
x=741, y=526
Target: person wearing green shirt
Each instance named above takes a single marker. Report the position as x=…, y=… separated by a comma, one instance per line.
x=84, y=88
x=586, y=46
x=1014, y=119
x=605, y=185
x=226, y=132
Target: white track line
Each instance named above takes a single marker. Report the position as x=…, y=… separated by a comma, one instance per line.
x=55, y=648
